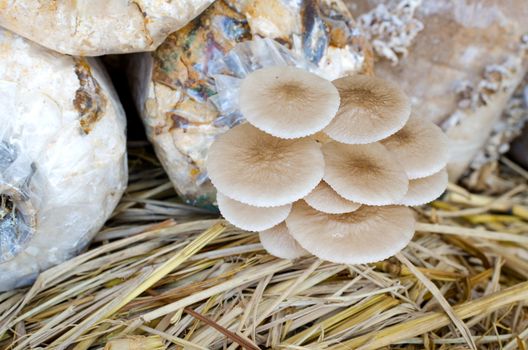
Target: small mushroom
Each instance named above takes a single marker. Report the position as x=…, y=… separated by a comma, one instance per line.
x=288, y=102
x=251, y=218
x=426, y=189
x=258, y=169
x=371, y=109
x=325, y=199
x=365, y=174
x=366, y=235
x=278, y=241
x=421, y=147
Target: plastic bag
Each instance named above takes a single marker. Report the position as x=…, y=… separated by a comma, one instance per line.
x=98, y=27
x=62, y=157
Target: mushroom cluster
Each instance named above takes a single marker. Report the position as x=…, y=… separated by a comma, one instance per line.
x=326, y=168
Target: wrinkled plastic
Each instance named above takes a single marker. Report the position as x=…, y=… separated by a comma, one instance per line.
x=62, y=157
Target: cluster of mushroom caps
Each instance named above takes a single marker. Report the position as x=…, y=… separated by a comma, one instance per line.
x=326, y=168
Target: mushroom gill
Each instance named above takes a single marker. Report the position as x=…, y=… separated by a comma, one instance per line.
x=278, y=241
x=371, y=109
x=366, y=235
x=420, y=146
x=258, y=169
x=365, y=174
x=288, y=102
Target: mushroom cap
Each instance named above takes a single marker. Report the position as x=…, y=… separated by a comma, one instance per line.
x=426, y=189
x=258, y=169
x=251, y=218
x=288, y=102
x=278, y=242
x=371, y=109
x=421, y=147
x=325, y=199
x=365, y=174
x=366, y=235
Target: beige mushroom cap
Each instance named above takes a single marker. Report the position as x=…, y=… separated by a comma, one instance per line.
x=421, y=147
x=325, y=199
x=258, y=169
x=288, y=102
x=371, y=109
x=426, y=189
x=367, y=235
x=251, y=218
x=365, y=174
x=278, y=242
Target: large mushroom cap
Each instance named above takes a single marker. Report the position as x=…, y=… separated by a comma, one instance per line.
x=365, y=174
x=325, y=199
x=366, y=235
x=371, y=109
x=421, y=147
x=288, y=102
x=258, y=169
x=278, y=241
x=251, y=218
x=426, y=189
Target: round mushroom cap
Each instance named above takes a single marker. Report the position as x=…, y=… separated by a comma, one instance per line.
x=366, y=235
x=278, y=242
x=288, y=102
x=251, y=218
x=325, y=199
x=258, y=169
x=371, y=109
x=421, y=147
x=426, y=189
x=365, y=174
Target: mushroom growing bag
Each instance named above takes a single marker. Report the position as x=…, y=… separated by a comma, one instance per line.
x=98, y=27
x=62, y=157
x=175, y=85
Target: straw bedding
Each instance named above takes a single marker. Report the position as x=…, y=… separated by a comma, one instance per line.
x=163, y=275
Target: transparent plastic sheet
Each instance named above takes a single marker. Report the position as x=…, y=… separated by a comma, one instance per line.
x=98, y=27
x=62, y=157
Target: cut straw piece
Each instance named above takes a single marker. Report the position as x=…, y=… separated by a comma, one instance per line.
x=430, y=322
x=106, y=312
x=328, y=323
x=462, y=327
x=249, y=275
x=471, y=232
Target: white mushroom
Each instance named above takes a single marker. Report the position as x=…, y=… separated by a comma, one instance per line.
x=288, y=102
x=251, y=218
x=371, y=109
x=366, y=235
x=258, y=169
x=325, y=199
x=426, y=189
x=421, y=147
x=365, y=174
x=278, y=241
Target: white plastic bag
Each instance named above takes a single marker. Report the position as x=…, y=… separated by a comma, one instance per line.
x=62, y=157
x=98, y=27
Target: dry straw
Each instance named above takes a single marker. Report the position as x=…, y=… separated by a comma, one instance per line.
x=167, y=276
